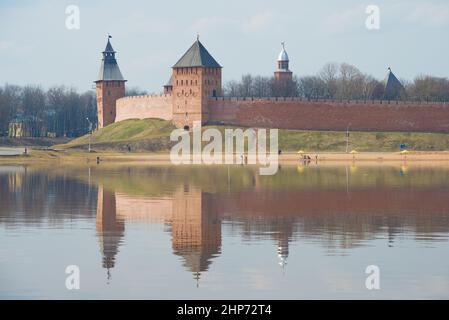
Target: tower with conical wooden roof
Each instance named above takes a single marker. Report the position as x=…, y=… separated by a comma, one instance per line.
x=110, y=86
x=196, y=78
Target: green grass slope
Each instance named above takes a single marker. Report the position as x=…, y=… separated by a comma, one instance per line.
x=139, y=135
x=154, y=135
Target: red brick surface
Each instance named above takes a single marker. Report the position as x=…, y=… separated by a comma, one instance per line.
x=326, y=115
x=302, y=115
x=192, y=89
x=141, y=107
x=107, y=94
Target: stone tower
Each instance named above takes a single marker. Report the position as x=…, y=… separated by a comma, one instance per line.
x=283, y=73
x=196, y=78
x=110, y=86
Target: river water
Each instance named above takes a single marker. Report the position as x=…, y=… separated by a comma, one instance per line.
x=218, y=232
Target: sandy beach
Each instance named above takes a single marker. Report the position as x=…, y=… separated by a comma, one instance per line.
x=322, y=158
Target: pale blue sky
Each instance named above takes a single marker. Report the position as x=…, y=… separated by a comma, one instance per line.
x=243, y=35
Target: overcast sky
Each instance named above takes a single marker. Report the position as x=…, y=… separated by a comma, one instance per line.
x=243, y=35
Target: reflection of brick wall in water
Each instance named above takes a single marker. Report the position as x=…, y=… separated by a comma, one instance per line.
x=196, y=232
x=297, y=114
x=314, y=203
x=337, y=217
x=143, y=209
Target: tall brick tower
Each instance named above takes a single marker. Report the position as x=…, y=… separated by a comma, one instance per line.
x=196, y=78
x=283, y=73
x=110, y=86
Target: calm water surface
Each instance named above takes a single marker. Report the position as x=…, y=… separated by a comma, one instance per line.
x=223, y=232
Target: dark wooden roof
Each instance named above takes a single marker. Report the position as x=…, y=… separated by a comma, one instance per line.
x=197, y=56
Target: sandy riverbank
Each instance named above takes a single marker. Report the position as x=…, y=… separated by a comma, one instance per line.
x=322, y=158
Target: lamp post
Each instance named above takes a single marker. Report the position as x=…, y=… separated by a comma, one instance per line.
x=90, y=131
x=347, y=138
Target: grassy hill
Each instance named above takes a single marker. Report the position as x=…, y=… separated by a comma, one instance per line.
x=139, y=135
x=154, y=135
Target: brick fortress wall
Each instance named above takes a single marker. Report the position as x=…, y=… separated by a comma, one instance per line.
x=288, y=113
x=141, y=107
x=294, y=113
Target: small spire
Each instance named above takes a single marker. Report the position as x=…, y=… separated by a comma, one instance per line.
x=197, y=278
x=283, y=45
x=197, y=36
x=389, y=69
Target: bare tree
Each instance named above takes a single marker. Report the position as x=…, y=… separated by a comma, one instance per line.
x=9, y=106
x=329, y=75
x=135, y=91
x=312, y=87
x=428, y=88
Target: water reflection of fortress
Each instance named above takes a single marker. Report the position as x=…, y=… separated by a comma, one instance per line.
x=196, y=232
x=194, y=218
x=324, y=207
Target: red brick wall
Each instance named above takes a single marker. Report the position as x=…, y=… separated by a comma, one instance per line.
x=192, y=88
x=107, y=94
x=326, y=115
x=141, y=107
x=297, y=114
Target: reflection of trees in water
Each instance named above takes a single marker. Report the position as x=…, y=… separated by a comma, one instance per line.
x=32, y=196
x=336, y=232
x=164, y=180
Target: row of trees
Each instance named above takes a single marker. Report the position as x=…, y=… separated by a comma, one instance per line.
x=58, y=111
x=337, y=81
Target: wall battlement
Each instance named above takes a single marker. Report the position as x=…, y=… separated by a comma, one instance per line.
x=333, y=101
x=146, y=96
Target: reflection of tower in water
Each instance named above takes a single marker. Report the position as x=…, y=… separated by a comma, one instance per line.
x=283, y=252
x=283, y=229
x=110, y=229
x=196, y=232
